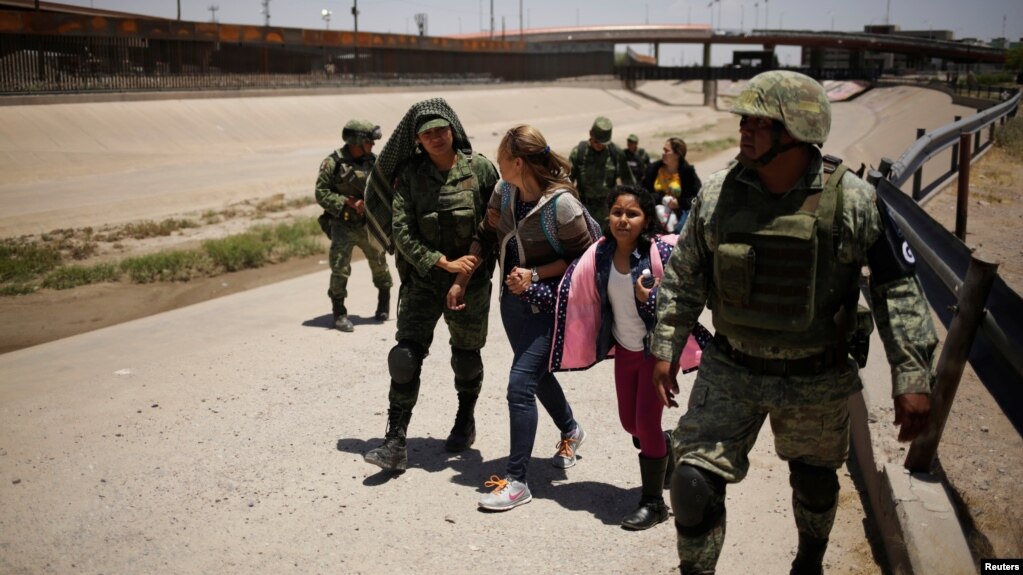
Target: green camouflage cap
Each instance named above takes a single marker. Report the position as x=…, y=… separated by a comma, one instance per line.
x=359, y=131
x=632, y=138
x=601, y=130
x=431, y=124
x=794, y=99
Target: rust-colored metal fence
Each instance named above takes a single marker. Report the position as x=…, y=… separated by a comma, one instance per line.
x=55, y=53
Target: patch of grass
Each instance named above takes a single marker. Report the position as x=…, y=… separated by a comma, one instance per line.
x=21, y=261
x=149, y=229
x=1009, y=137
x=712, y=146
x=18, y=289
x=73, y=276
x=175, y=265
x=248, y=250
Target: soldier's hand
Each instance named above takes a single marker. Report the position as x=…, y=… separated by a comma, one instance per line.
x=665, y=383
x=456, y=297
x=360, y=207
x=463, y=265
x=912, y=411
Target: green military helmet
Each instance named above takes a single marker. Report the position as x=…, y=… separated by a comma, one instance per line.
x=794, y=99
x=358, y=132
x=601, y=130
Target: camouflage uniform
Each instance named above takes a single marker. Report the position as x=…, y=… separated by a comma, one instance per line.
x=435, y=214
x=730, y=399
x=342, y=177
x=637, y=161
x=595, y=173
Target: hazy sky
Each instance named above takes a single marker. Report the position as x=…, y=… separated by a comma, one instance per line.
x=984, y=19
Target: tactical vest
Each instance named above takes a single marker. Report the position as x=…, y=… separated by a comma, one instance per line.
x=448, y=217
x=351, y=182
x=607, y=179
x=777, y=279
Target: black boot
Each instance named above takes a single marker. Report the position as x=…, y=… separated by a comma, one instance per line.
x=463, y=432
x=393, y=454
x=383, y=305
x=687, y=569
x=652, y=509
x=341, y=321
x=810, y=556
x=670, y=469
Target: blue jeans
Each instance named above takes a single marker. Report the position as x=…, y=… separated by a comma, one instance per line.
x=530, y=336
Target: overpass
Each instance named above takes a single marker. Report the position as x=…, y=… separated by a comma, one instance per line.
x=704, y=34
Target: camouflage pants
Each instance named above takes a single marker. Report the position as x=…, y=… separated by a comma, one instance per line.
x=345, y=236
x=421, y=304
x=727, y=407
x=597, y=206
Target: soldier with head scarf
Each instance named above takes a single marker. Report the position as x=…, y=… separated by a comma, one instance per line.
x=425, y=197
x=339, y=191
x=774, y=246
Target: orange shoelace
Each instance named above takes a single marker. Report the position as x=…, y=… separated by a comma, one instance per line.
x=566, y=447
x=498, y=483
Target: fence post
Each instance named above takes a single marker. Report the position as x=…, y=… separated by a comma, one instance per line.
x=952, y=361
x=955, y=151
x=918, y=174
x=963, y=192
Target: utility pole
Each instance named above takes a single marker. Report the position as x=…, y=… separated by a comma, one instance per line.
x=491, y=19
x=213, y=12
x=520, y=21
x=179, y=10
x=266, y=12
x=355, y=17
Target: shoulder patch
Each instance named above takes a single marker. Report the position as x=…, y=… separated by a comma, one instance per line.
x=325, y=164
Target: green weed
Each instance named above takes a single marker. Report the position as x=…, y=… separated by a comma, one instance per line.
x=76, y=275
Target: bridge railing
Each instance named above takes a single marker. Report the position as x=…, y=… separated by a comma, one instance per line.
x=943, y=259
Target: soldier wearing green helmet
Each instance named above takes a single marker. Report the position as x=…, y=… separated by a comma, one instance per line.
x=774, y=246
x=339, y=191
x=597, y=166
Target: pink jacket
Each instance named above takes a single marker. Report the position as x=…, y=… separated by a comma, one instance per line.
x=577, y=315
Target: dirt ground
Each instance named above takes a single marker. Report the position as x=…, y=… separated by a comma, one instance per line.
x=981, y=452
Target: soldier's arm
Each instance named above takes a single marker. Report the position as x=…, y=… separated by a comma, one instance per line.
x=574, y=159
x=900, y=311
x=327, y=195
x=406, y=233
x=683, y=291
x=624, y=171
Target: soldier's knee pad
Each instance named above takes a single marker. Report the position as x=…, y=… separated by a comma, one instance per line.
x=466, y=363
x=816, y=488
x=697, y=498
x=404, y=362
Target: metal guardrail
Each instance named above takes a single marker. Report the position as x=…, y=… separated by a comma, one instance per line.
x=943, y=261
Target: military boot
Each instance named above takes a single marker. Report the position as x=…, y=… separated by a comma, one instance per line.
x=810, y=556
x=341, y=321
x=383, y=305
x=652, y=509
x=393, y=454
x=463, y=432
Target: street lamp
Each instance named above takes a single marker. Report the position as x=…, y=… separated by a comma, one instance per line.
x=325, y=14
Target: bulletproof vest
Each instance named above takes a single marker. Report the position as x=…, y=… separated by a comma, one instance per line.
x=350, y=174
x=777, y=280
x=448, y=217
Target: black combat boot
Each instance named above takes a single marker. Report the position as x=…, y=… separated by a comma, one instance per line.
x=810, y=556
x=383, y=305
x=463, y=432
x=341, y=321
x=652, y=509
x=393, y=454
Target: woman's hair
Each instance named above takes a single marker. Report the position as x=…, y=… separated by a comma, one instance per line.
x=550, y=169
x=678, y=145
x=646, y=203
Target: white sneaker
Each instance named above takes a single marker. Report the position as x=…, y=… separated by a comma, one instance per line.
x=508, y=493
x=568, y=447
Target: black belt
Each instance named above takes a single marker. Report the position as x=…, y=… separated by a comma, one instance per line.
x=811, y=365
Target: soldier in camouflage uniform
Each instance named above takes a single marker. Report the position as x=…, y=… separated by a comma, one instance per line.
x=339, y=191
x=597, y=166
x=636, y=158
x=774, y=246
x=440, y=197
